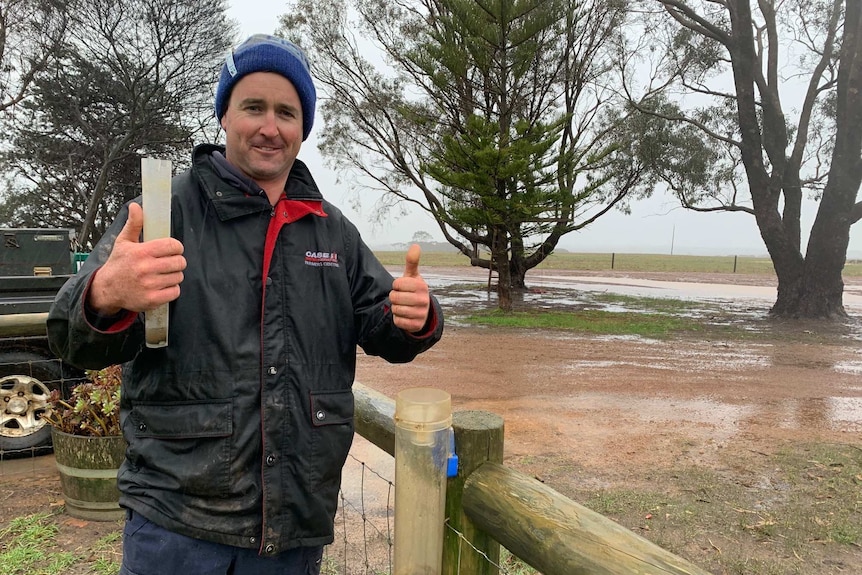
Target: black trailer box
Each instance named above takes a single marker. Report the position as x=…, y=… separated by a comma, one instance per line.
x=36, y=252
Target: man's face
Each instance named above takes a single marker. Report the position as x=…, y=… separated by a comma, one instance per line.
x=263, y=126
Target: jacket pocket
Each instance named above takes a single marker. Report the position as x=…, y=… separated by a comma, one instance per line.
x=183, y=446
x=332, y=435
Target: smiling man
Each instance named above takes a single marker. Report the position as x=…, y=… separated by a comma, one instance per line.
x=239, y=428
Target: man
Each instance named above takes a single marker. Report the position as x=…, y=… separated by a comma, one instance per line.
x=239, y=428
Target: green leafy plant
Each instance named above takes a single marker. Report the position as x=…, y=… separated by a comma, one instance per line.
x=94, y=407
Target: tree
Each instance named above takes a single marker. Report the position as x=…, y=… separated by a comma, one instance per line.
x=31, y=31
x=494, y=111
x=742, y=149
x=422, y=236
x=134, y=79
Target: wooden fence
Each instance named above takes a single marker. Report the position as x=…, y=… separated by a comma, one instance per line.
x=489, y=504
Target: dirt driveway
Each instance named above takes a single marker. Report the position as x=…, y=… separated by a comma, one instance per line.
x=628, y=401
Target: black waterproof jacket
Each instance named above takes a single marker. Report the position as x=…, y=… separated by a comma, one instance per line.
x=239, y=428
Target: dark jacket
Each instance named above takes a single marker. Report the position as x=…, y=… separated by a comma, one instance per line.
x=239, y=428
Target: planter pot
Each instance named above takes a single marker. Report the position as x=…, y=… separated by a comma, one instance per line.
x=88, y=474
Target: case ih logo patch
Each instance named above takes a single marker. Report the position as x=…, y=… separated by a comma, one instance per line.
x=319, y=259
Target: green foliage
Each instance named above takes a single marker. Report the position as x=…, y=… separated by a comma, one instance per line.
x=93, y=409
x=488, y=109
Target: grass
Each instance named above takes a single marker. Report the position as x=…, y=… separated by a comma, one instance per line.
x=26, y=548
x=770, y=518
x=590, y=321
x=654, y=304
x=624, y=262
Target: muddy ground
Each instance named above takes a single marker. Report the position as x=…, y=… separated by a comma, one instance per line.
x=703, y=423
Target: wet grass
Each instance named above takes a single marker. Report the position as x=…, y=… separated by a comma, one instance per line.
x=26, y=547
x=603, y=313
x=590, y=321
x=29, y=547
x=790, y=511
x=653, y=304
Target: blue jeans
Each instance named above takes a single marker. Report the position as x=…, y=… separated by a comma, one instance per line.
x=149, y=549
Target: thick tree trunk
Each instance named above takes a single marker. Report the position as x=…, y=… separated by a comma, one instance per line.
x=819, y=291
x=809, y=287
x=810, y=298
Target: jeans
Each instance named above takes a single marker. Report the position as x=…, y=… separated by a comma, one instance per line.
x=149, y=549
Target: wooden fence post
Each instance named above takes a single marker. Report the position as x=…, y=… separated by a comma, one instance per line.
x=478, y=439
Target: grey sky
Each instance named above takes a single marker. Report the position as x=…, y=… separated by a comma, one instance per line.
x=656, y=225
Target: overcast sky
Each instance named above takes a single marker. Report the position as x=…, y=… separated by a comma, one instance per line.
x=656, y=225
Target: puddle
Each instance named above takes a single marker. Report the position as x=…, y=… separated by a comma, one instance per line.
x=716, y=385
x=849, y=367
x=822, y=413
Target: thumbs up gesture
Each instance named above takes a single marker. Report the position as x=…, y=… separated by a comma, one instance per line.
x=409, y=295
x=138, y=276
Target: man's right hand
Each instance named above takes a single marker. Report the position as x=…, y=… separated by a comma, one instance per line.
x=138, y=276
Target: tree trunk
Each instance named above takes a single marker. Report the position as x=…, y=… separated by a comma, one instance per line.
x=500, y=257
x=518, y=273
x=818, y=292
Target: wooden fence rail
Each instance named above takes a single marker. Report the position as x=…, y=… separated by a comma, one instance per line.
x=489, y=504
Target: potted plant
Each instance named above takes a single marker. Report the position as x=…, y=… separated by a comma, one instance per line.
x=89, y=445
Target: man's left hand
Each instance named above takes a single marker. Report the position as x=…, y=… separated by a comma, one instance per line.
x=409, y=296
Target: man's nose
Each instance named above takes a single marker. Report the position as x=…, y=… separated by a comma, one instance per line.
x=269, y=127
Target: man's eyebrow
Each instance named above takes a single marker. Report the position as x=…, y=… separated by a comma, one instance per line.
x=288, y=107
x=247, y=101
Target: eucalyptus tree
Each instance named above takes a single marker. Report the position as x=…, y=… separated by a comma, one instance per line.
x=134, y=78
x=31, y=31
x=770, y=111
x=490, y=115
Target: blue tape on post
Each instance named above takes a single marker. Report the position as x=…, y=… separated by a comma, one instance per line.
x=452, y=462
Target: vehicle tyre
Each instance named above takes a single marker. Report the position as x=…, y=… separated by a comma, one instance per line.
x=26, y=382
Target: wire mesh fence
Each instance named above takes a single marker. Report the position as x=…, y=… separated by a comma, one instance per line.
x=27, y=379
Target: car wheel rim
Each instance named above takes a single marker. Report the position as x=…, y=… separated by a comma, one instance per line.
x=23, y=405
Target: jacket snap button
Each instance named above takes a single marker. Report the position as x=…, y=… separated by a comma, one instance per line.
x=142, y=427
x=269, y=281
x=272, y=370
x=321, y=415
x=252, y=540
x=270, y=459
x=270, y=548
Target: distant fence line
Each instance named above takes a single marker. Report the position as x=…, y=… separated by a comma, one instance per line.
x=623, y=261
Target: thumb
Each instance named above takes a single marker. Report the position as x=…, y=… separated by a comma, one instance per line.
x=411, y=266
x=131, y=232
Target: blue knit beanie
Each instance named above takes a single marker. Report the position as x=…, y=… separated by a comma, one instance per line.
x=264, y=53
